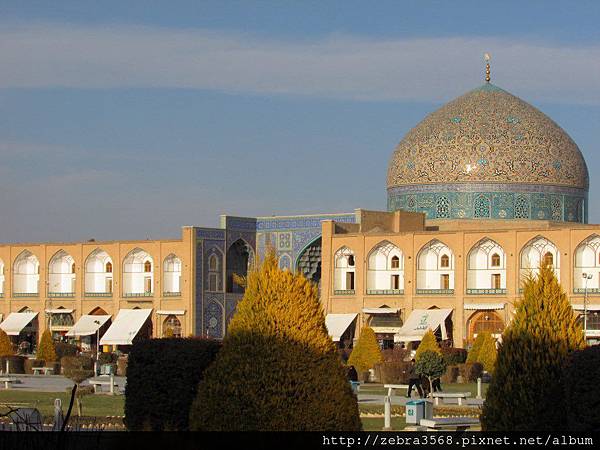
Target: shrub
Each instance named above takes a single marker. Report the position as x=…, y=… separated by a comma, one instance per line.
x=278, y=368
x=16, y=363
x=488, y=353
x=470, y=371
x=454, y=356
x=394, y=372
x=527, y=392
x=395, y=355
x=366, y=352
x=431, y=365
x=428, y=343
x=78, y=369
x=64, y=349
x=581, y=386
x=451, y=374
x=6, y=346
x=46, y=349
x=162, y=381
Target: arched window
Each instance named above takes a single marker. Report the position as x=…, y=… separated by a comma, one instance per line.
x=495, y=260
x=539, y=251
x=172, y=327
x=213, y=262
x=98, y=274
x=587, y=260
x=488, y=321
x=172, y=275
x=385, y=274
x=61, y=275
x=240, y=258
x=444, y=261
x=343, y=282
x=138, y=276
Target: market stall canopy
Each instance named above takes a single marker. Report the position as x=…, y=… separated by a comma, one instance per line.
x=125, y=327
x=381, y=310
x=337, y=324
x=15, y=322
x=484, y=306
x=579, y=307
x=174, y=312
x=421, y=320
x=87, y=325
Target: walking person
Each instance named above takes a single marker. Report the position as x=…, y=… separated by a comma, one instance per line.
x=437, y=385
x=414, y=380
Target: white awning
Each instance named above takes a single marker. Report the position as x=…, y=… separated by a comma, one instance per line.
x=175, y=312
x=421, y=320
x=125, y=327
x=86, y=325
x=579, y=307
x=386, y=330
x=484, y=306
x=381, y=310
x=15, y=322
x=59, y=311
x=337, y=324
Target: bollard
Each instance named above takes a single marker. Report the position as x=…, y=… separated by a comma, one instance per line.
x=387, y=409
x=112, y=384
x=58, y=415
x=479, y=388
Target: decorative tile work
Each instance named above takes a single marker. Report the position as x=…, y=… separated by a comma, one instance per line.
x=492, y=205
x=210, y=233
x=285, y=241
x=300, y=222
x=285, y=262
x=213, y=318
x=488, y=135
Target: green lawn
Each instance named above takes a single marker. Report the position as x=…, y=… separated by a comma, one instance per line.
x=378, y=389
x=376, y=423
x=93, y=405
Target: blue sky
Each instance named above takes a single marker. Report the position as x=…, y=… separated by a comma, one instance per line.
x=130, y=119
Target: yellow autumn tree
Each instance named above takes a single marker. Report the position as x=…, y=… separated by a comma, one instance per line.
x=46, y=350
x=428, y=343
x=366, y=353
x=6, y=347
x=278, y=369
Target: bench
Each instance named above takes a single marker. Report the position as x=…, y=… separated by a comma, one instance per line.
x=449, y=423
x=392, y=387
x=7, y=381
x=46, y=370
x=458, y=395
x=110, y=382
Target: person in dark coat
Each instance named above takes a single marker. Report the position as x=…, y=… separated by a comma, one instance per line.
x=352, y=374
x=437, y=385
x=414, y=380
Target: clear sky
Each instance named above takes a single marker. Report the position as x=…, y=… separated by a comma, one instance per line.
x=129, y=119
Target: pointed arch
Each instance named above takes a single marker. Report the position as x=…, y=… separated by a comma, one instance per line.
x=344, y=271
x=308, y=262
x=172, y=275
x=435, y=268
x=538, y=251
x=385, y=269
x=61, y=277
x=486, y=268
x=239, y=259
x=138, y=274
x=98, y=269
x=26, y=275
x=587, y=260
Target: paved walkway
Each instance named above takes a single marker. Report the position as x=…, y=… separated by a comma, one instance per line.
x=51, y=383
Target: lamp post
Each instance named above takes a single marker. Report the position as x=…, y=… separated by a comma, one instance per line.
x=586, y=277
x=97, y=322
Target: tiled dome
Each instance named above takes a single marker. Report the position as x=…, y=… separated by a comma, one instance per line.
x=488, y=142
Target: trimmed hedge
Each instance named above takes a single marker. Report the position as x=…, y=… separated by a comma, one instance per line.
x=64, y=349
x=162, y=381
x=396, y=372
x=470, y=371
x=454, y=355
x=582, y=389
x=16, y=363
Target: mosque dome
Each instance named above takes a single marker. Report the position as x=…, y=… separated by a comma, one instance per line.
x=489, y=155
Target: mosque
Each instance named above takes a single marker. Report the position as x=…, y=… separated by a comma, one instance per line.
x=479, y=193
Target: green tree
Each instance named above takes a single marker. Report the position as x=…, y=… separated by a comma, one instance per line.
x=366, y=353
x=278, y=369
x=526, y=392
x=428, y=343
x=430, y=364
x=488, y=352
x=473, y=354
x=6, y=347
x=46, y=350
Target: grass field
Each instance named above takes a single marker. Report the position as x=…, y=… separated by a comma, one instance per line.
x=376, y=423
x=93, y=405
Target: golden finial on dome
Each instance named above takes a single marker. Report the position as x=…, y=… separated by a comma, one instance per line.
x=487, y=58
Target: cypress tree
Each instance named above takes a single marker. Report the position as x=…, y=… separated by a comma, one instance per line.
x=487, y=353
x=526, y=392
x=278, y=369
x=473, y=354
x=46, y=350
x=6, y=347
x=366, y=353
x=428, y=343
